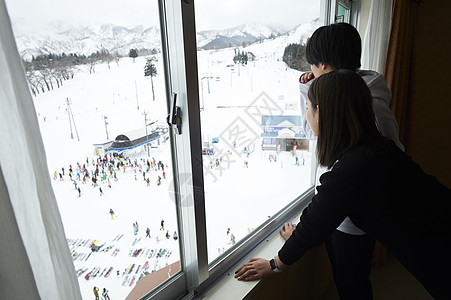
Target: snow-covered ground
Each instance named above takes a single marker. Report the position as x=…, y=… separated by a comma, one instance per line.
x=238, y=198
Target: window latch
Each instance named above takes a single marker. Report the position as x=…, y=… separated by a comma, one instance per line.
x=175, y=116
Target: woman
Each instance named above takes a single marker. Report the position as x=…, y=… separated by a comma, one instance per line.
x=406, y=210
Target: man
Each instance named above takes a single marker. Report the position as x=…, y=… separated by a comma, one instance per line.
x=96, y=292
x=105, y=294
x=334, y=47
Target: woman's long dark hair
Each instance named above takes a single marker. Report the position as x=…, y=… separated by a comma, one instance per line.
x=346, y=116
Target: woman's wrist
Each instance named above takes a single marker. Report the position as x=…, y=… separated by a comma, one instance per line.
x=280, y=265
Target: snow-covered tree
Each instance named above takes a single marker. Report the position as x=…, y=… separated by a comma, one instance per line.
x=294, y=57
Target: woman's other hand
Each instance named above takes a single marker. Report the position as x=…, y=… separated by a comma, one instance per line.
x=287, y=230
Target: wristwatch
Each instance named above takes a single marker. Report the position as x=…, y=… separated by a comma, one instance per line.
x=273, y=265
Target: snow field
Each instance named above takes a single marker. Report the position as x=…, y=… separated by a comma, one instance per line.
x=238, y=198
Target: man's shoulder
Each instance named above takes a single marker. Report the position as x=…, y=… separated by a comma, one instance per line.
x=370, y=77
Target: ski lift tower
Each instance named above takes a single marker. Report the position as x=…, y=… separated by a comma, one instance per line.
x=147, y=136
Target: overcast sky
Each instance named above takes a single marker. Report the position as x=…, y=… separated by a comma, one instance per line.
x=210, y=14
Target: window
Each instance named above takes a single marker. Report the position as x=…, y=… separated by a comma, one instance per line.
x=346, y=11
x=342, y=12
x=231, y=167
x=99, y=87
x=250, y=56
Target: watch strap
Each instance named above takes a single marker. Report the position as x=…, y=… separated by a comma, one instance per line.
x=273, y=265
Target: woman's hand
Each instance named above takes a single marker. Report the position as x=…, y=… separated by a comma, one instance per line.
x=306, y=77
x=287, y=230
x=254, y=269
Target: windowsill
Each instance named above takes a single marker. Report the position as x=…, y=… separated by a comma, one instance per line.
x=230, y=287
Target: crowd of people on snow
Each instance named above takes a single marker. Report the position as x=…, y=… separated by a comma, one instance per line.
x=103, y=168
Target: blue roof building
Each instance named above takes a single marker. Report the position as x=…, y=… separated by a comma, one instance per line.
x=283, y=133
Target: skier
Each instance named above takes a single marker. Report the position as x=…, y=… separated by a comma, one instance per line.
x=111, y=213
x=75, y=184
x=167, y=235
x=56, y=175
x=96, y=292
x=232, y=239
x=135, y=231
x=61, y=177
x=175, y=236
x=79, y=192
x=144, y=175
x=101, y=192
x=162, y=224
x=148, y=232
x=228, y=231
x=62, y=169
x=148, y=182
x=109, y=184
x=159, y=180
x=164, y=174
x=105, y=294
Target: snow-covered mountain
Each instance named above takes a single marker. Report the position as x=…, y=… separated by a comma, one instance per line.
x=88, y=39
x=302, y=32
x=247, y=33
x=61, y=38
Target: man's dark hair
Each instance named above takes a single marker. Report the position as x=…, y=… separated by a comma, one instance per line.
x=346, y=116
x=338, y=45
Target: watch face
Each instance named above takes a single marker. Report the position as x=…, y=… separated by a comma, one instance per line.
x=272, y=263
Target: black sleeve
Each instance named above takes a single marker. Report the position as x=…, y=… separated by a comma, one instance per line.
x=329, y=207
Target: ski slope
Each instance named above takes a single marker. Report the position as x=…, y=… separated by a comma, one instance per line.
x=237, y=197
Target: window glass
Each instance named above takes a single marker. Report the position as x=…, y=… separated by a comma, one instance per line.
x=256, y=157
x=96, y=74
x=342, y=13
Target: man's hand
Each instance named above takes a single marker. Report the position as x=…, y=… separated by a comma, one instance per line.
x=306, y=77
x=254, y=269
x=287, y=230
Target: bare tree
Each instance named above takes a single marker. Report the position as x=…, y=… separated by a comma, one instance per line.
x=116, y=57
x=105, y=56
x=92, y=61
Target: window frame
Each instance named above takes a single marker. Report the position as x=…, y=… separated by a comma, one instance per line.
x=353, y=7
x=197, y=276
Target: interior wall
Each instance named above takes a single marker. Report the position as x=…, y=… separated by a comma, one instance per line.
x=429, y=132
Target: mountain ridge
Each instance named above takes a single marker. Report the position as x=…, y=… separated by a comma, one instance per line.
x=114, y=38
